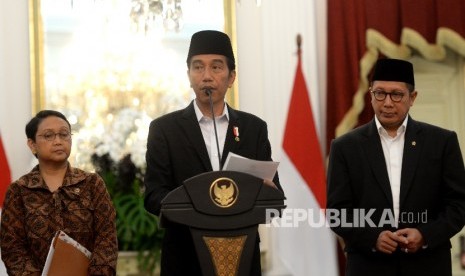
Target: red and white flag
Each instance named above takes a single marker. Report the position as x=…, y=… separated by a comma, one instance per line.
x=5, y=175
x=306, y=246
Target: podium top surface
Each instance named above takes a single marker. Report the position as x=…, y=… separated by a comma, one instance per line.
x=227, y=197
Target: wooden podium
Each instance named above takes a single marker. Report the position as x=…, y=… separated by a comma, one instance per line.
x=223, y=210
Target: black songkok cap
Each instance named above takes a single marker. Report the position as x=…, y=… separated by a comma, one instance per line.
x=393, y=70
x=210, y=42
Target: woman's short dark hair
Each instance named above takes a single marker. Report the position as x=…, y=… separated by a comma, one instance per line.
x=33, y=125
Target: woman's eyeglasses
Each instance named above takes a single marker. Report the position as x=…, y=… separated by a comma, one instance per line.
x=51, y=136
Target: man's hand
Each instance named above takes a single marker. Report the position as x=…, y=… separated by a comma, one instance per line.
x=388, y=241
x=414, y=239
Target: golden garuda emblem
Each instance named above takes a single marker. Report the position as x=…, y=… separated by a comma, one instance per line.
x=224, y=192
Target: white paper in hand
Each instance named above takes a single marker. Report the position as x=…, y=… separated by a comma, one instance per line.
x=260, y=169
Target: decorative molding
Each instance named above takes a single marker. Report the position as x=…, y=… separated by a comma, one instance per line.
x=378, y=43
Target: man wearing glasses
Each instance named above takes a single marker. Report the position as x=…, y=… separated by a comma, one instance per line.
x=405, y=179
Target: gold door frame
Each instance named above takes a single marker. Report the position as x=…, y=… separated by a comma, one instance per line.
x=36, y=56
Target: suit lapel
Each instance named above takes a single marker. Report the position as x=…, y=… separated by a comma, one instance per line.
x=230, y=143
x=412, y=148
x=191, y=127
x=377, y=160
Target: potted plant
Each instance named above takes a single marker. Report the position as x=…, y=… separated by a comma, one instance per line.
x=137, y=229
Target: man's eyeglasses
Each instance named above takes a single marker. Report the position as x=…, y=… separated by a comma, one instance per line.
x=380, y=95
x=51, y=136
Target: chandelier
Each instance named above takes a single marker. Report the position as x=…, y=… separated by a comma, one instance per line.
x=146, y=15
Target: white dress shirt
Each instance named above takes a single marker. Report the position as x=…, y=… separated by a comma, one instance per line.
x=393, y=149
x=208, y=133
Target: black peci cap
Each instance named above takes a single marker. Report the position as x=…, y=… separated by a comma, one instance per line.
x=393, y=70
x=210, y=42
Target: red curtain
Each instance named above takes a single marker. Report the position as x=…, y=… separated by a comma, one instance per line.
x=360, y=31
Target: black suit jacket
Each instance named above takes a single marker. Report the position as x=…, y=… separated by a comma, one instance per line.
x=176, y=151
x=432, y=197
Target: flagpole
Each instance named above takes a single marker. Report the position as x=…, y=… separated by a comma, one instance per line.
x=299, y=44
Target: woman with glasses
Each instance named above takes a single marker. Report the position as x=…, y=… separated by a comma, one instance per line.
x=56, y=197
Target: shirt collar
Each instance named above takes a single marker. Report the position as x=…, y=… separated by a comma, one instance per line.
x=200, y=116
x=401, y=128
x=34, y=178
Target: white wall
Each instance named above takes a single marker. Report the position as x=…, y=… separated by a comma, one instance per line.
x=267, y=59
x=15, y=99
x=15, y=103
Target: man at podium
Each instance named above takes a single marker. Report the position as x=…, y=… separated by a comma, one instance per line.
x=187, y=142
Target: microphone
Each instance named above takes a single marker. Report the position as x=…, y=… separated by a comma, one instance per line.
x=209, y=93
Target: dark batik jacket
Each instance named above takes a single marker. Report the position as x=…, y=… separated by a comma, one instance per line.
x=32, y=215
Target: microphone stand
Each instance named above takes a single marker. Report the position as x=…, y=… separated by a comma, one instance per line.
x=209, y=93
